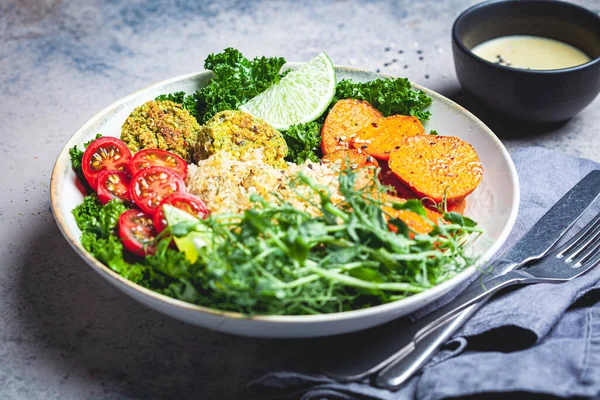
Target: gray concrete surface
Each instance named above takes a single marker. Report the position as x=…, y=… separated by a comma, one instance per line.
x=64, y=333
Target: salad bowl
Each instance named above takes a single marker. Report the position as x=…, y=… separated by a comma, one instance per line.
x=494, y=205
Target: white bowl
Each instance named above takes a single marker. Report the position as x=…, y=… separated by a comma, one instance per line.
x=493, y=204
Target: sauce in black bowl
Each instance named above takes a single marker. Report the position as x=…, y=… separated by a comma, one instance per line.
x=538, y=96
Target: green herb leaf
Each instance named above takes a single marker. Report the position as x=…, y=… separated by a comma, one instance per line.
x=390, y=96
x=76, y=157
x=188, y=102
x=237, y=81
x=459, y=219
x=304, y=142
x=92, y=217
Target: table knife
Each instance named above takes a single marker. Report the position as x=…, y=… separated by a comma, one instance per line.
x=355, y=356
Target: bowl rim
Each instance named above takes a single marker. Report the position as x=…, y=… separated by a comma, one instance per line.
x=63, y=162
x=456, y=39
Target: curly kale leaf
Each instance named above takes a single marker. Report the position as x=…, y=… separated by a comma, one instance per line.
x=390, y=96
x=237, y=81
x=109, y=251
x=98, y=225
x=76, y=156
x=303, y=141
x=93, y=217
x=188, y=102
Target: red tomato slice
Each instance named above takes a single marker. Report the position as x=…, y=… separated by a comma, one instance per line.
x=185, y=202
x=137, y=232
x=151, y=185
x=158, y=158
x=105, y=153
x=113, y=185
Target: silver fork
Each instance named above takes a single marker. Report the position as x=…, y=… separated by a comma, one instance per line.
x=574, y=258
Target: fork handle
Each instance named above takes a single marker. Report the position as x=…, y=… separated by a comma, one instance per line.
x=397, y=372
x=444, y=322
x=471, y=296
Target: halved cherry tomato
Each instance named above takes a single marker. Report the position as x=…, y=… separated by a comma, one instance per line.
x=158, y=158
x=113, y=185
x=105, y=153
x=151, y=185
x=185, y=202
x=137, y=232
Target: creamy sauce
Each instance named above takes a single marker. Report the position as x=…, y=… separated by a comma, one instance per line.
x=530, y=52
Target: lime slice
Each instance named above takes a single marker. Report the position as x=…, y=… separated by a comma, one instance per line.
x=190, y=243
x=300, y=97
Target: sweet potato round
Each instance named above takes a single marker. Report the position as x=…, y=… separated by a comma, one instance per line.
x=458, y=207
x=388, y=178
x=385, y=135
x=437, y=166
x=358, y=161
x=344, y=121
x=413, y=220
x=356, y=158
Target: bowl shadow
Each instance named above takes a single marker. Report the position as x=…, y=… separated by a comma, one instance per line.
x=87, y=329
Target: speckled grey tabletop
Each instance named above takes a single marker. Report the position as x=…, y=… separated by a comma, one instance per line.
x=66, y=334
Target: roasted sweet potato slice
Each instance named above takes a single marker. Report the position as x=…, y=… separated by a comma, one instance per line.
x=356, y=158
x=385, y=135
x=344, y=121
x=437, y=166
x=388, y=178
x=414, y=221
x=458, y=207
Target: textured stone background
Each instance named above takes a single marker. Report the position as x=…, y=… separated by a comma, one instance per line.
x=64, y=334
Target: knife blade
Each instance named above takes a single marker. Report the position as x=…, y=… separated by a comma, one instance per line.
x=357, y=355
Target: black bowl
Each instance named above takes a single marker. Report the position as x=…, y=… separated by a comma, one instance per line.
x=538, y=96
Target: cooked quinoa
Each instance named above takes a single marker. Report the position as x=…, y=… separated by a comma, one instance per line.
x=225, y=182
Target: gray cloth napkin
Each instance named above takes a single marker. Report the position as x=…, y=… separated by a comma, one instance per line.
x=542, y=339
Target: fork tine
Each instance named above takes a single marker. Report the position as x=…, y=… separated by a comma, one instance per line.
x=579, y=240
x=591, y=251
x=587, y=242
x=592, y=260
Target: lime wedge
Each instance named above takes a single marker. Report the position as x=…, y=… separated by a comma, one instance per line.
x=300, y=97
x=193, y=241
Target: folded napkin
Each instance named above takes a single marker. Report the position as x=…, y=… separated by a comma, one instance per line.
x=542, y=339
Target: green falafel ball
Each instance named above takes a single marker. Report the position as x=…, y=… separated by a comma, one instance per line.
x=239, y=133
x=161, y=125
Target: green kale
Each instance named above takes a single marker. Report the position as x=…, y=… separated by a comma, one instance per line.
x=92, y=217
x=304, y=142
x=98, y=225
x=110, y=251
x=169, y=262
x=76, y=157
x=188, y=102
x=236, y=81
x=390, y=96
